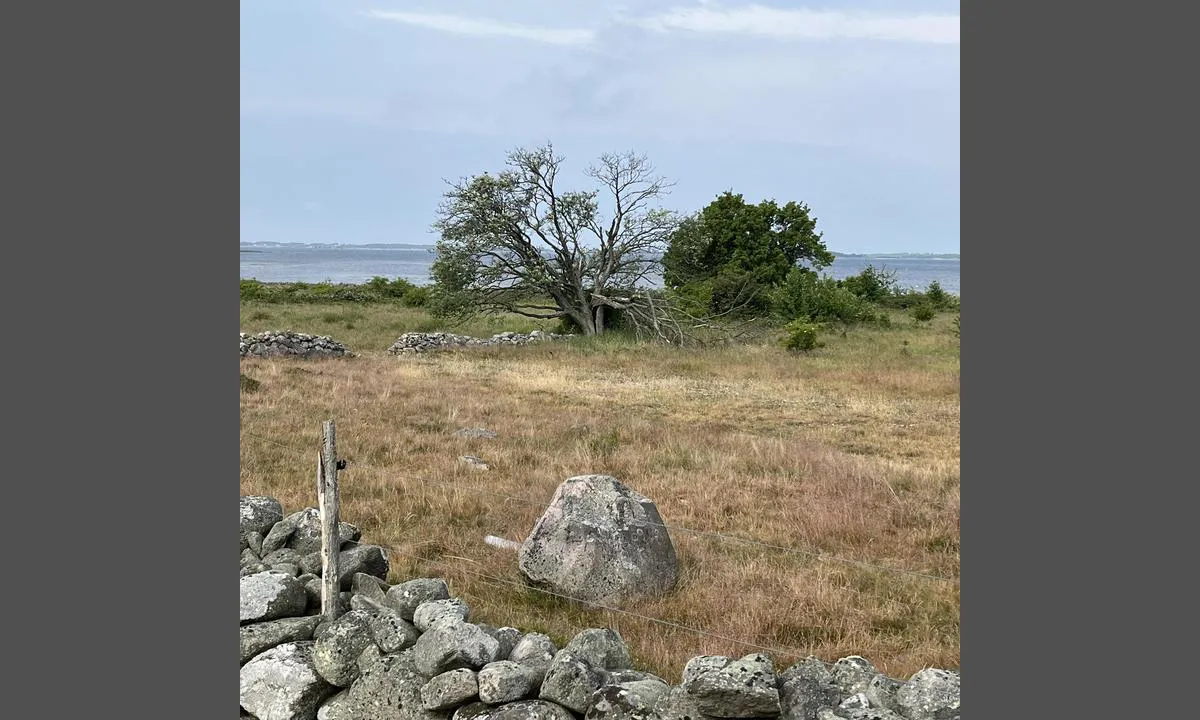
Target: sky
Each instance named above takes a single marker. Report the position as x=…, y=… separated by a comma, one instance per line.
x=355, y=113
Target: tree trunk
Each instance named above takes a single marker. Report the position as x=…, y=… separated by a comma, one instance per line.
x=599, y=319
x=584, y=320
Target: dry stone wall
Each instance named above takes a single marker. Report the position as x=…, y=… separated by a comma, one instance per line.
x=418, y=342
x=411, y=651
x=276, y=343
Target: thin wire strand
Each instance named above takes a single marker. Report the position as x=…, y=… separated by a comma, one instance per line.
x=678, y=528
x=494, y=581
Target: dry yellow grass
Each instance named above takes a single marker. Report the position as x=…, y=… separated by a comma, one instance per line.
x=852, y=451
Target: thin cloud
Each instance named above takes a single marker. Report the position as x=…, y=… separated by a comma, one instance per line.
x=802, y=24
x=482, y=27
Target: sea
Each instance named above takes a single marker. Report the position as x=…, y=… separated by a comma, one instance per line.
x=297, y=262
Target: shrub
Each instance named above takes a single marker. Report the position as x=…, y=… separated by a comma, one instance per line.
x=249, y=384
x=939, y=297
x=804, y=295
x=871, y=285
x=416, y=296
x=924, y=312
x=802, y=335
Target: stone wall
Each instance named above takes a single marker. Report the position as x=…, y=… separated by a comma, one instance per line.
x=275, y=343
x=410, y=651
x=417, y=342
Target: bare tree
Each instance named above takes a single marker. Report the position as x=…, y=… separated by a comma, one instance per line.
x=516, y=242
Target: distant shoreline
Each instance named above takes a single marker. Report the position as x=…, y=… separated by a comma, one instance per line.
x=386, y=246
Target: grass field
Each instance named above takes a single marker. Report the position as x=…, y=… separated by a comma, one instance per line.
x=850, y=451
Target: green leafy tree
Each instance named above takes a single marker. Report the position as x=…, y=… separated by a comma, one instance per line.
x=732, y=251
x=516, y=242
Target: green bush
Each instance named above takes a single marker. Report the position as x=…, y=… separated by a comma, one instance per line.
x=939, y=297
x=924, y=312
x=249, y=384
x=802, y=335
x=871, y=285
x=375, y=290
x=803, y=295
x=416, y=296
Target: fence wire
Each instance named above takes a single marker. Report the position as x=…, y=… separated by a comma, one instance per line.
x=676, y=528
x=502, y=583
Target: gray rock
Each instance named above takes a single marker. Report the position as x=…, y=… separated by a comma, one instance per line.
x=408, y=596
x=506, y=681
x=249, y=557
x=370, y=586
x=334, y=708
x=744, y=688
x=391, y=632
x=390, y=690
x=534, y=647
x=338, y=646
x=310, y=564
x=477, y=433
x=254, y=541
x=366, y=559
x=432, y=612
x=881, y=692
x=702, y=664
x=930, y=694
x=857, y=700
x=472, y=711
x=677, y=704
x=283, y=684
x=627, y=675
x=473, y=462
x=257, y=638
x=601, y=647
x=508, y=637
x=626, y=701
x=367, y=605
x=601, y=542
x=450, y=689
x=307, y=535
x=853, y=674
x=867, y=714
x=807, y=687
x=571, y=681
x=369, y=658
x=312, y=591
x=259, y=514
x=280, y=533
x=271, y=595
x=453, y=644
x=286, y=569
x=282, y=555
x=253, y=569
x=530, y=710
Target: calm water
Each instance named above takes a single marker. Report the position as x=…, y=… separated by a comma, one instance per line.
x=359, y=263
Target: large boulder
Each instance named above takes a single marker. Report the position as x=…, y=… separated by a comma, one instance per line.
x=599, y=541
x=283, y=684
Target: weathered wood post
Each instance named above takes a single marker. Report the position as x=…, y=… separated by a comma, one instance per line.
x=327, y=499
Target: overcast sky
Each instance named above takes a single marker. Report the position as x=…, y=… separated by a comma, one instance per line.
x=353, y=112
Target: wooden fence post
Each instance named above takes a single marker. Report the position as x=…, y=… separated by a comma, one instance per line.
x=327, y=499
